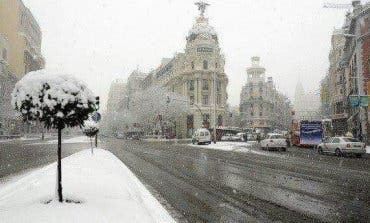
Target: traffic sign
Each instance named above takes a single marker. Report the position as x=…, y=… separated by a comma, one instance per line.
x=96, y=116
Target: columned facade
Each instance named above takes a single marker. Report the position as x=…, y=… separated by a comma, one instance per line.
x=198, y=74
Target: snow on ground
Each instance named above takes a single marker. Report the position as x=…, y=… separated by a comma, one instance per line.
x=77, y=139
x=109, y=192
x=242, y=147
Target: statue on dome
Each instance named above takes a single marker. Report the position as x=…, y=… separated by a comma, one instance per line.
x=202, y=7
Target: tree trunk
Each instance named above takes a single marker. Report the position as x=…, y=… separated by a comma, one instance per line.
x=59, y=172
x=96, y=140
x=91, y=146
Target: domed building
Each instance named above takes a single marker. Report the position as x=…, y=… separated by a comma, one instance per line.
x=192, y=73
x=262, y=106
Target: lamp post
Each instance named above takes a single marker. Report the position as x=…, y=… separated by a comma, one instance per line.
x=214, y=97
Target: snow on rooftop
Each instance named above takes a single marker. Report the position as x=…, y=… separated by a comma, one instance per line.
x=108, y=190
x=202, y=27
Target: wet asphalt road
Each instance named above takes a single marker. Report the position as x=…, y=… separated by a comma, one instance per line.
x=22, y=155
x=206, y=185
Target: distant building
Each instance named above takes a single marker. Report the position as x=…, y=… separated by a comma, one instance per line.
x=348, y=74
x=306, y=105
x=261, y=105
x=117, y=96
x=232, y=117
x=24, y=37
x=134, y=83
x=191, y=74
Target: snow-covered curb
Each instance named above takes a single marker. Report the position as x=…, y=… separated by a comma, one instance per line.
x=77, y=139
x=109, y=192
x=241, y=147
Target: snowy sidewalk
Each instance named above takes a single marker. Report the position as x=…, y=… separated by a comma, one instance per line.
x=108, y=190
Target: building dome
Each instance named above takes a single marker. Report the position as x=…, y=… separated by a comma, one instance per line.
x=203, y=29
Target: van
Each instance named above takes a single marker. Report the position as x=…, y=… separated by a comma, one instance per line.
x=201, y=136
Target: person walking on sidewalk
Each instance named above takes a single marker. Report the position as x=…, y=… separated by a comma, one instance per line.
x=259, y=139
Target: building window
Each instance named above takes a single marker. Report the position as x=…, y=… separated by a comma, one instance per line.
x=192, y=99
x=216, y=65
x=205, y=65
x=219, y=120
x=205, y=99
x=191, y=85
x=4, y=53
x=218, y=99
x=190, y=121
x=205, y=84
x=218, y=85
x=192, y=65
x=261, y=113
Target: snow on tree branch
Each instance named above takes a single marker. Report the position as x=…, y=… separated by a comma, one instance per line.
x=56, y=99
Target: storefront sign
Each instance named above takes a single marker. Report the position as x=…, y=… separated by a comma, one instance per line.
x=364, y=100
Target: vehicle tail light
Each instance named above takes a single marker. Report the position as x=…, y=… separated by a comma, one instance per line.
x=348, y=145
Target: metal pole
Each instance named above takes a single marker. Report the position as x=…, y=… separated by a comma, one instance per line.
x=214, y=98
x=59, y=165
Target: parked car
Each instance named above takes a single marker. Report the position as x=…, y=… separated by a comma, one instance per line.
x=274, y=141
x=226, y=137
x=238, y=137
x=342, y=145
x=201, y=136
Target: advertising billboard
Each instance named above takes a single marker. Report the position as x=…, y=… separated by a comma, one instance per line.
x=310, y=132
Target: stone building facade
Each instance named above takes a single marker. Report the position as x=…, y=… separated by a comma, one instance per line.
x=8, y=118
x=191, y=74
x=261, y=105
x=24, y=37
x=348, y=73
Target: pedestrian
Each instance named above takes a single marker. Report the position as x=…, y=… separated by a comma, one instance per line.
x=245, y=137
x=288, y=142
x=258, y=138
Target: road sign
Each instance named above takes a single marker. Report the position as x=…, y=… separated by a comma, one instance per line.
x=96, y=116
x=354, y=100
x=359, y=100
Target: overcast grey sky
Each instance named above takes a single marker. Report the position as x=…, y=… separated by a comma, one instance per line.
x=102, y=40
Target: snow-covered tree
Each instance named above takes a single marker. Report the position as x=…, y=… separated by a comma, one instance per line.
x=55, y=99
x=158, y=101
x=91, y=129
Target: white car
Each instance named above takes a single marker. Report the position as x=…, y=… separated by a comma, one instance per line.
x=342, y=145
x=274, y=141
x=201, y=136
x=226, y=137
x=238, y=137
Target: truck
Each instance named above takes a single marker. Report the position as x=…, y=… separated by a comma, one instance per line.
x=311, y=133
